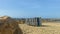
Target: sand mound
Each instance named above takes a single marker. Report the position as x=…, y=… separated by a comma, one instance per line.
x=9, y=26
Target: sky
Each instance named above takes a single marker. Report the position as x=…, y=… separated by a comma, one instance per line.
x=30, y=8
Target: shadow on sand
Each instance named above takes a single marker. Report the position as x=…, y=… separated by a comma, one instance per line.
x=18, y=31
x=45, y=26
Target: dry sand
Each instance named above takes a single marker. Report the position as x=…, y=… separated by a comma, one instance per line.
x=46, y=28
